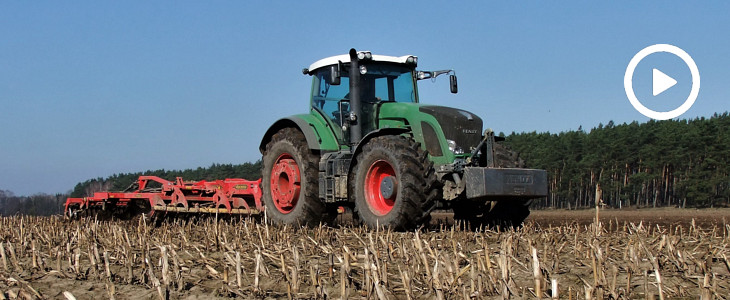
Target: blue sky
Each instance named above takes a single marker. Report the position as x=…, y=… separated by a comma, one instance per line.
x=94, y=88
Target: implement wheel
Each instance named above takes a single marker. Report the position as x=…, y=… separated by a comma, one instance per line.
x=290, y=180
x=393, y=183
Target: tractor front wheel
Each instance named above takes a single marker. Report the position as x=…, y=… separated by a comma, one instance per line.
x=505, y=214
x=393, y=183
x=290, y=180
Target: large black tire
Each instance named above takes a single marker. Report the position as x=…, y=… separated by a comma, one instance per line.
x=398, y=161
x=505, y=157
x=291, y=169
x=506, y=213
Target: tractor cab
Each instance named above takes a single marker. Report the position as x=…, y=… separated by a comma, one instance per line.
x=381, y=79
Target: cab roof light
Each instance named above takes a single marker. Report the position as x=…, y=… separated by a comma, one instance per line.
x=364, y=55
x=412, y=60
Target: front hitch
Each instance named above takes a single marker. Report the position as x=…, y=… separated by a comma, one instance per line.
x=489, y=141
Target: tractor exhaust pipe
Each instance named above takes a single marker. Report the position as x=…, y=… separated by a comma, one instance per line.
x=355, y=103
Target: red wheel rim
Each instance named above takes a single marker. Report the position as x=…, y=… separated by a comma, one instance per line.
x=379, y=204
x=285, y=183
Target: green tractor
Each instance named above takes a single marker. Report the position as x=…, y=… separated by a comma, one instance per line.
x=367, y=144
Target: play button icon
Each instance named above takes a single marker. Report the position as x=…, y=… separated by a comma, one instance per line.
x=661, y=82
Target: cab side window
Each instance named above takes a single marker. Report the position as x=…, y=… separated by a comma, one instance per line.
x=327, y=97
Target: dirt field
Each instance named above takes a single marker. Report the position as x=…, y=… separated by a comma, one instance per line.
x=667, y=217
x=633, y=254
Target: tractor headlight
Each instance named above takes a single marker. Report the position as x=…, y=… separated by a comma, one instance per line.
x=454, y=148
x=412, y=60
x=363, y=70
x=364, y=55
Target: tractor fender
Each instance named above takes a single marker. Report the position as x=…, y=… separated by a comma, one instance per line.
x=317, y=133
x=373, y=134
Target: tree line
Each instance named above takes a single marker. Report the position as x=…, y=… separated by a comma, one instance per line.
x=38, y=204
x=680, y=163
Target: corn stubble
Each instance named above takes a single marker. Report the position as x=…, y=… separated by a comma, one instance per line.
x=51, y=258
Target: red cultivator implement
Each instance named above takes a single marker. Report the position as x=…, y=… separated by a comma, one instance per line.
x=151, y=194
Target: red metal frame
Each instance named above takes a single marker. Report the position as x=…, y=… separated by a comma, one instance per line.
x=233, y=195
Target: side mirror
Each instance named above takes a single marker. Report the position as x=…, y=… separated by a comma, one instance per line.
x=335, y=74
x=454, y=84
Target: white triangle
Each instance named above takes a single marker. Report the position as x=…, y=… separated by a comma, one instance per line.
x=662, y=82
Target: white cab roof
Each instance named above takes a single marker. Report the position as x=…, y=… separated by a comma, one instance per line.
x=345, y=58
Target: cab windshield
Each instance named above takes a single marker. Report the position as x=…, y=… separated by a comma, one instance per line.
x=381, y=83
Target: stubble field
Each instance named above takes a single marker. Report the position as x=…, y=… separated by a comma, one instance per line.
x=653, y=253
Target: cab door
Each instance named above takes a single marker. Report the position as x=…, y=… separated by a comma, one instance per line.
x=332, y=102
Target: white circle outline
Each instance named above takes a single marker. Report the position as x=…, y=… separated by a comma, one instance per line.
x=629, y=86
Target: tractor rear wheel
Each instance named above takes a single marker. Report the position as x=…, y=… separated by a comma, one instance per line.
x=290, y=180
x=394, y=183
